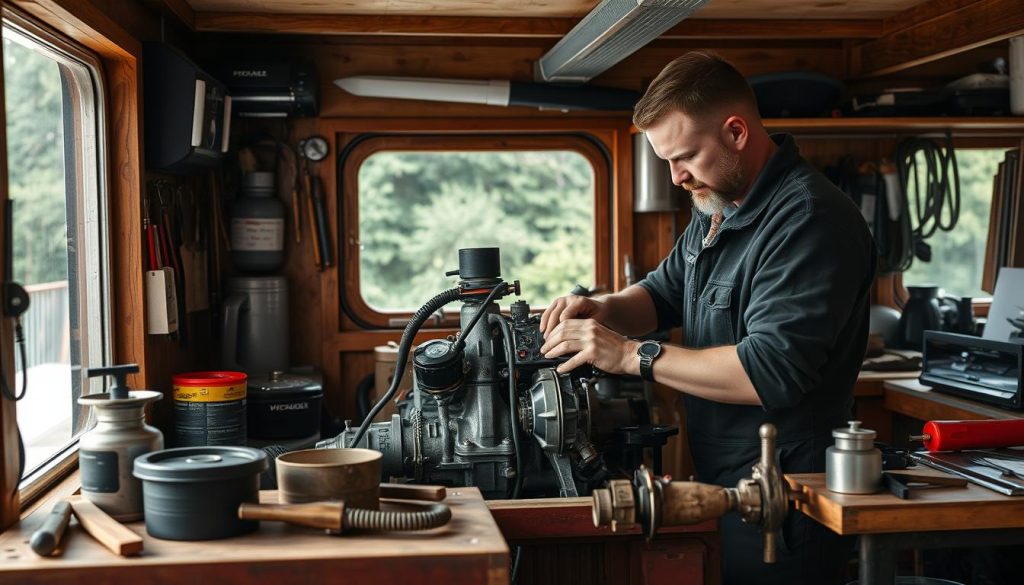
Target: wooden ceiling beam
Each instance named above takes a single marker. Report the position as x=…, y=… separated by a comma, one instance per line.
x=183, y=10
x=484, y=26
x=936, y=30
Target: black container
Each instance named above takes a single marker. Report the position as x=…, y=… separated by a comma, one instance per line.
x=283, y=406
x=193, y=493
x=920, y=314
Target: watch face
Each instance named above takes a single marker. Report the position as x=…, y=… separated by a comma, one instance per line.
x=649, y=349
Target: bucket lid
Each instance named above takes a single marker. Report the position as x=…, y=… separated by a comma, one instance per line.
x=279, y=384
x=215, y=378
x=209, y=463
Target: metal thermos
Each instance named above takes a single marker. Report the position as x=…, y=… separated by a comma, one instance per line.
x=255, y=326
x=853, y=465
x=107, y=452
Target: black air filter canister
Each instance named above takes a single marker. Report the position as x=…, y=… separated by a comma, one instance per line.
x=477, y=263
x=439, y=367
x=283, y=406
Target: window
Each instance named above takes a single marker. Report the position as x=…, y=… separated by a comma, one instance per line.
x=958, y=255
x=534, y=198
x=54, y=134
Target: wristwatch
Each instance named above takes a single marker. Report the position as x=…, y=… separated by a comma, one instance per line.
x=648, y=352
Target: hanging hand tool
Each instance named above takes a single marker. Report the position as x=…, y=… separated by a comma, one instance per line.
x=956, y=435
x=45, y=540
x=323, y=228
x=311, y=208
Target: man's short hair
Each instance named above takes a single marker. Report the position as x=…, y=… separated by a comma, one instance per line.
x=695, y=84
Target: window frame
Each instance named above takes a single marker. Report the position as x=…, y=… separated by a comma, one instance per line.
x=363, y=146
x=86, y=129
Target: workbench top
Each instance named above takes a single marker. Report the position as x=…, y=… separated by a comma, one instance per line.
x=470, y=549
x=954, y=508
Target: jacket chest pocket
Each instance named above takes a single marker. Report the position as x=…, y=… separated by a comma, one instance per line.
x=715, y=315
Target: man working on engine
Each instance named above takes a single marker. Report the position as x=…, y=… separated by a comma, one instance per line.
x=770, y=284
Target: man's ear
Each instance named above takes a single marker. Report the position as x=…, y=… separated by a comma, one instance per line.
x=735, y=132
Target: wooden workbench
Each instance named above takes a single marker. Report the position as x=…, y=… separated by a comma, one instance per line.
x=470, y=549
x=946, y=517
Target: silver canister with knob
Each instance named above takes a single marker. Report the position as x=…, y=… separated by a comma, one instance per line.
x=853, y=465
x=107, y=452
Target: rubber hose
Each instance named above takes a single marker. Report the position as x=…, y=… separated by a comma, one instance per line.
x=390, y=521
x=268, y=477
x=512, y=401
x=419, y=317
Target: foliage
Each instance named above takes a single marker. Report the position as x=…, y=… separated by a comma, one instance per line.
x=35, y=161
x=417, y=209
x=958, y=255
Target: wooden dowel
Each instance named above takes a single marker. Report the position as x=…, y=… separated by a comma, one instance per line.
x=109, y=532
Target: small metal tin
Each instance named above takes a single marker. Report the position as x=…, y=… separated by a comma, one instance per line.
x=853, y=465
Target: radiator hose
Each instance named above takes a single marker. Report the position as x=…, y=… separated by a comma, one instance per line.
x=389, y=520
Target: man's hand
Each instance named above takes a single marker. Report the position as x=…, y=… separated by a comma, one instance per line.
x=571, y=307
x=593, y=344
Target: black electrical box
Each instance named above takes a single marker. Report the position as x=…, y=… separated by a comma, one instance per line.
x=271, y=87
x=187, y=112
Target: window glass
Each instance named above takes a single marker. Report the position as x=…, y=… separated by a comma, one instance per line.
x=417, y=209
x=55, y=184
x=958, y=255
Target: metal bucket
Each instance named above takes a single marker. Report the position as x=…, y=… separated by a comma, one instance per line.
x=314, y=475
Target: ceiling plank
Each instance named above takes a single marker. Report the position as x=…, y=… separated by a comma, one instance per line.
x=484, y=26
x=183, y=10
x=945, y=28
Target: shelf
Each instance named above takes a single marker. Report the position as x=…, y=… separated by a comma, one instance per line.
x=964, y=126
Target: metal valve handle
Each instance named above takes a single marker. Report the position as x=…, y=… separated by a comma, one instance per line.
x=762, y=499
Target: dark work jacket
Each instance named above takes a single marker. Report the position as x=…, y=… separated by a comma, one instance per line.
x=786, y=280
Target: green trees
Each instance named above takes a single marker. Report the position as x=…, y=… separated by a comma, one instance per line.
x=416, y=209
x=35, y=162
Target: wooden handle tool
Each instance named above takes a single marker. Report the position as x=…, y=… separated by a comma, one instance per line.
x=401, y=491
x=327, y=515
x=45, y=540
x=109, y=532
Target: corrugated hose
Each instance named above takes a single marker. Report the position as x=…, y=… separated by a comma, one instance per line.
x=390, y=521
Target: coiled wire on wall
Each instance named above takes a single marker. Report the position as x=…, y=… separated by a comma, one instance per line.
x=935, y=194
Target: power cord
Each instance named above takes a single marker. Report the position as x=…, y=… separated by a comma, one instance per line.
x=939, y=189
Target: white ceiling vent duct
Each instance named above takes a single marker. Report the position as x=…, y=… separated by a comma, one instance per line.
x=608, y=34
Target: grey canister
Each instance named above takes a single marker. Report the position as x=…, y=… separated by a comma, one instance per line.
x=255, y=329
x=193, y=493
x=257, y=225
x=853, y=465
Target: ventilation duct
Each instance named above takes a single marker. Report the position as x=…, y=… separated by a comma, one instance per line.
x=608, y=34
x=652, y=180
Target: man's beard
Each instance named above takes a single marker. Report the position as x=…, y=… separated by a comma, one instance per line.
x=713, y=202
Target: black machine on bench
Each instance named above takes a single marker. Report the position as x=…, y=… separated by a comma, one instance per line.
x=488, y=410
x=980, y=369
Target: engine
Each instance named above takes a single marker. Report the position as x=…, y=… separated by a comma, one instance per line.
x=487, y=409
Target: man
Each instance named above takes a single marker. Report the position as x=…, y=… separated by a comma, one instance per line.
x=770, y=283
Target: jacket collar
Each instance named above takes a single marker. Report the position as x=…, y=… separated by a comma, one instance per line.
x=766, y=185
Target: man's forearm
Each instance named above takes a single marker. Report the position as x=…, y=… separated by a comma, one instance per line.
x=714, y=373
x=630, y=311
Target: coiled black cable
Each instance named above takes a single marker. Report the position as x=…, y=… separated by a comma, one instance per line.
x=513, y=402
x=941, y=187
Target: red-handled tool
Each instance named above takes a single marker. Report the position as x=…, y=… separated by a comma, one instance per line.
x=956, y=435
